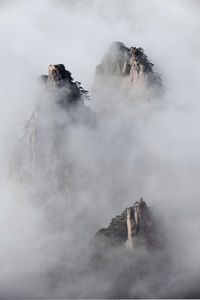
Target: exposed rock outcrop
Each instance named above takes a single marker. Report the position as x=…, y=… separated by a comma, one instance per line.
x=135, y=227
x=127, y=71
x=139, y=224
x=60, y=104
x=60, y=81
x=131, y=63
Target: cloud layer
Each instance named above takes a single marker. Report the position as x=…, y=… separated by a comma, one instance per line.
x=152, y=152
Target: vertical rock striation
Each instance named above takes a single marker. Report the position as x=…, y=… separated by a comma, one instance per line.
x=128, y=72
x=134, y=228
x=139, y=225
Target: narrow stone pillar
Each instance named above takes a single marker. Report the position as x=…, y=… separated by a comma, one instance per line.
x=129, y=242
x=135, y=220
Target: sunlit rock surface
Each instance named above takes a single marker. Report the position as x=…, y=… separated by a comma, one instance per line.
x=127, y=75
x=60, y=82
x=134, y=228
x=59, y=106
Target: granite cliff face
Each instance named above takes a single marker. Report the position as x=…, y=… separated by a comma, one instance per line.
x=134, y=228
x=129, y=72
x=131, y=63
x=59, y=105
x=60, y=82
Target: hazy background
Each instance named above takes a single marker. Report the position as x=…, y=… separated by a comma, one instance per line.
x=152, y=153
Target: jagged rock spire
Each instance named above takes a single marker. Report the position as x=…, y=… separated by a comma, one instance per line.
x=127, y=71
x=60, y=82
x=131, y=63
x=60, y=103
x=133, y=228
x=138, y=224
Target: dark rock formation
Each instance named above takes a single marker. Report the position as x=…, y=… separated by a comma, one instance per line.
x=133, y=228
x=60, y=81
x=60, y=104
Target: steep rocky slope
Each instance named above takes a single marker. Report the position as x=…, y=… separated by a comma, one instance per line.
x=60, y=82
x=131, y=63
x=59, y=105
x=126, y=74
x=134, y=228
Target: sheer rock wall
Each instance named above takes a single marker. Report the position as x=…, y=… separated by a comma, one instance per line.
x=60, y=104
x=134, y=228
x=129, y=72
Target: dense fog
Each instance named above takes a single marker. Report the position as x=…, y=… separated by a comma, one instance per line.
x=149, y=150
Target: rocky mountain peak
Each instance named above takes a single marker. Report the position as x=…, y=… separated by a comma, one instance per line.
x=129, y=71
x=135, y=227
x=60, y=103
x=58, y=74
x=130, y=62
x=60, y=82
